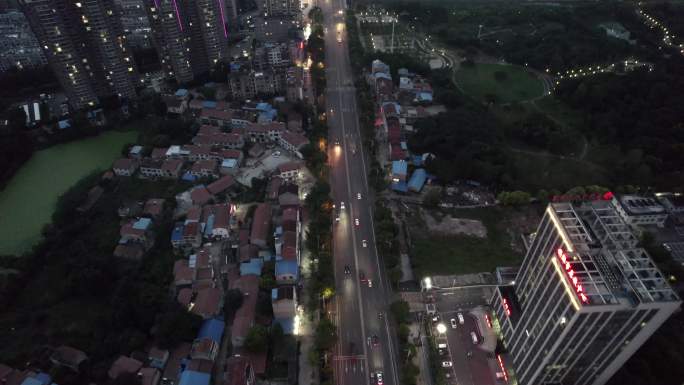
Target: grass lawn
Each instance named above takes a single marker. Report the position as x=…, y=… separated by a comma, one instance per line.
x=460, y=254
x=28, y=201
x=560, y=111
x=479, y=80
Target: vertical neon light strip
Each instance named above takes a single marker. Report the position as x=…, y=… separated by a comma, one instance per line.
x=175, y=7
x=156, y=4
x=223, y=18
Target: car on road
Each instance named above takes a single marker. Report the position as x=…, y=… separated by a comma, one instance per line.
x=461, y=320
x=453, y=323
x=473, y=337
x=370, y=283
x=447, y=364
x=378, y=378
x=356, y=222
x=358, y=196
x=442, y=352
x=362, y=277
x=276, y=154
x=337, y=218
x=347, y=269
x=375, y=340
x=341, y=205
x=380, y=315
x=364, y=243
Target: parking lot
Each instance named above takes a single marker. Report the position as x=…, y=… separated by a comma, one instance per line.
x=464, y=337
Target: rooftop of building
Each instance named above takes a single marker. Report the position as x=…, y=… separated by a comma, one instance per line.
x=640, y=205
x=602, y=252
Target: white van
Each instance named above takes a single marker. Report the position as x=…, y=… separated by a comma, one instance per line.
x=473, y=336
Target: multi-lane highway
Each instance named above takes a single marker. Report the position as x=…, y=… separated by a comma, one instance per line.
x=365, y=343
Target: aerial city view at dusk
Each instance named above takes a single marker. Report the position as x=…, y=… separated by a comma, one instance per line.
x=341, y=192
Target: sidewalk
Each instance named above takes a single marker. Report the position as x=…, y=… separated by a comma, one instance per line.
x=307, y=372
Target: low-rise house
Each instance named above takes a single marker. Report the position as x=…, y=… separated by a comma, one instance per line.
x=284, y=301
x=204, y=349
x=174, y=105
x=208, y=303
x=205, y=169
x=293, y=142
x=137, y=231
x=290, y=219
x=216, y=118
x=261, y=225
x=640, y=210
x=200, y=195
x=176, y=152
x=159, y=153
x=131, y=251
x=183, y=273
x=177, y=359
x=154, y=208
x=286, y=272
x=136, y=152
x=294, y=122
x=289, y=171
x=221, y=185
x=217, y=221
x=239, y=371
x=223, y=140
x=193, y=377
x=130, y=209
x=157, y=358
x=290, y=246
x=288, y=195
x=151, y=168
x=273, y=188
x=244, y=316
x=262, y=133
x=149, y=376
x=186, y=235
x=171, y=168
x=124, y=365
x=125, y=166
x=68, y=357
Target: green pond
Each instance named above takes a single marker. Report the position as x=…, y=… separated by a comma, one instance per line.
x=28, y=200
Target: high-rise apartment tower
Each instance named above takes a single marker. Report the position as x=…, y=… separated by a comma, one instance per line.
x=85, y=46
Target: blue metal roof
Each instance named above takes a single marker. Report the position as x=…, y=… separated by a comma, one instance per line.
x=191, y=377
x=400, y=186
x=417, y=180
x=229, y=163
x=188, y=177
x=274, y=293
x=209, y=227
x=213, y=329
x=252, y=267
x=32, y=381
x=263, y=106
x=399, y=167
x=287, y=267
x=208, y=104
x=177, y=233
x=142, y=224
x=417, y=160
x=64, y=124
x=181, y=92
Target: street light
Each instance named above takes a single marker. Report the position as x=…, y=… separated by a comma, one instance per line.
x=428, y=283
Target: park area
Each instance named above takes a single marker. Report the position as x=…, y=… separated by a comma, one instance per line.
x=29, y=199
x=501, y=83
x=439, y=253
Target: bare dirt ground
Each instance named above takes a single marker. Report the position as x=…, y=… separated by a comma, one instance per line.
x=448, y=225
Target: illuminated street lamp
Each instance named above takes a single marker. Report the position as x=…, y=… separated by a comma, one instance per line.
x=428, y=283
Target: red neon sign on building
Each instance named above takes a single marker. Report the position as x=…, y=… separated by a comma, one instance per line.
x=507, y=308
x=503, y=368
x=572, y=276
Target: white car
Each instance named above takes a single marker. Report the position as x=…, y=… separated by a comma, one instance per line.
x=341, y=205
x=370, y=283
x=337, y=219
x=356, y=222
x=358, y=196
x=460, y=318
x=447, y=364
x=276, y=154
x=364, y=243
x=453, y=323
x=473, y=336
